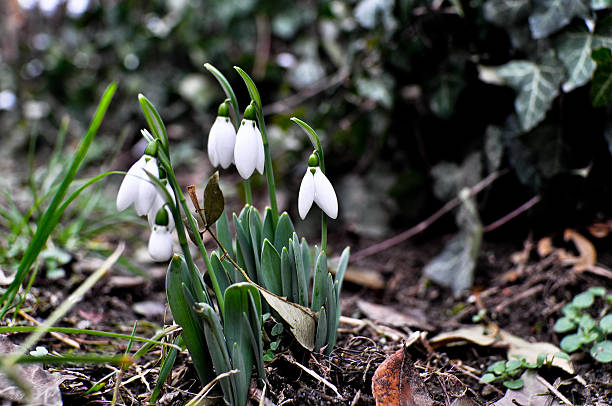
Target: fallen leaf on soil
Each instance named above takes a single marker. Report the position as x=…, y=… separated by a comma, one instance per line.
x=368, y=278
x=300, y=319
x=43, y=385
x=530, y=351
x=587, y=254
x=122, y=281
x=478, y=334
x=485, y=336
x=387, y=315
x=463, y=401
x=545, y=247
x=533, y=393
x=397, y=383
x=149, y=308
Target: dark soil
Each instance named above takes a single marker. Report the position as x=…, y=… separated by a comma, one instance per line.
x=522, y=298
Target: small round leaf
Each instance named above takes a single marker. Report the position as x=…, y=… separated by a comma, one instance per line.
x=606, y=324
x=564, y=324
x=514, y=384
x=488, y=378
x=583, y=300
x=602, y=351
x=597, y=290
x=571, y=343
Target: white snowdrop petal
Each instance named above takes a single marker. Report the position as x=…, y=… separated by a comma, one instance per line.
x=245, y=151
x=128, y=191
x=261, y=157
x=306, y=194
x=324, y=194
x=212, y=144
x=160, y=244
x=225, y=141
x=146, y=188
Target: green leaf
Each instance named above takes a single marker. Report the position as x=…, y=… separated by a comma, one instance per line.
x=319, y=286
x=255, y=230
x=286, y=274
x=571, y=311
x=271, y=268
x=514, y=384
x=498, y=367
x=224, y=235
x=586, y=322
x=597, y=291
x=243, y=248
x=306, y=259
x=590, y=336
x=217, y=346
x=221, y=276
x=571, y=343
x=551, y=15
x=606, y=324
x=250, y=87
x=536, y=86
x=213, y=200
x=488, y=378
x=277, y=329
x=601, y=87
x=583, y=300
x=238, y=330
x=602, y=351
x=164, y=371
x=506, y=13
x=445, y=93
x=332, y=322
x=321, y=337
x=541, y=360
x=284, y=231
x=156, y=124
x=301, y=273
x=178, y=276
x=54, y=211
x=573, y=48
x=341, y=271
x=227, y=88
x=268, y=225
x=600, y=4
x=563, y=325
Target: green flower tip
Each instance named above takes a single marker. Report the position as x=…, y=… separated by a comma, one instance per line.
x=313, y=160
x=151, y=149
x=161, y=218
x=249, y=112
x=223, y=109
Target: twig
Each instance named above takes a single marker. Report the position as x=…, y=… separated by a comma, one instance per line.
x=411, y=232
x=520, y=296
x=314, y=375
x=262, y=47
x=514, y=213
x=554, y=390
x=63, y=338
x=202, y=394
x=296, y=99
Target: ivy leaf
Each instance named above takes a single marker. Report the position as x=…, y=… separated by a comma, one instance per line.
x=601, y=88
x=506, y=12
x=574, y=50
x=600, y=4
x=551, y=15
x=536, y=84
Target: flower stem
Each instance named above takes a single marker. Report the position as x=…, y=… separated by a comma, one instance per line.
x=269, y=170
x=323, y=231
x=247, y=192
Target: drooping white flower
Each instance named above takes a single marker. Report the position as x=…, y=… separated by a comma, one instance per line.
x=160, y=243
x=222, y=139
x=136, y=187
x=249, y=149
x=158, y=203
x=315, y=187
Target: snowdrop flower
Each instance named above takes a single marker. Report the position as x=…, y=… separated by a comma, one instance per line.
x=136, y=187
x=158, y=203
x=316, y=188
x=222, y=139
x=249, y=149
x=160, y=241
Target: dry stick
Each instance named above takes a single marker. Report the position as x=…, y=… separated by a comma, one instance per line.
x=514, y=213
x=411, y=232
x=554, y=390
x=62, y=337
x=296, y=99
x=262, y=46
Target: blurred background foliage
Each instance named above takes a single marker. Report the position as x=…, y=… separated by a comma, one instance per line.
x=413, y=98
